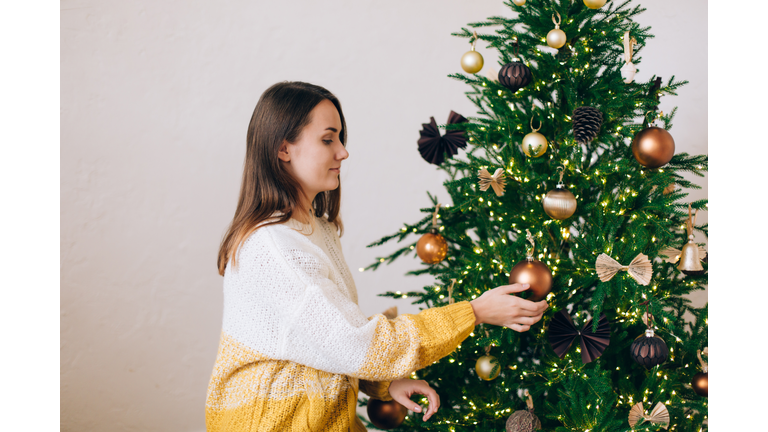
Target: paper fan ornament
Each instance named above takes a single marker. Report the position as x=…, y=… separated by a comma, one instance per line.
x=640, y=268
x=433, y=147
x=659, y=415
x=562, y=332
x=496, y=181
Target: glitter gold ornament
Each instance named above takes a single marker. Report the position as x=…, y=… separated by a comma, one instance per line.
x=386, y=414
x=653, y=147
x=487, y=367
x=523, y=420
x=595, y=4
x=628, y=70
x=432, y=247
x=559, y=203
x=518, y=2
x=472, y=61
x=532, y=272
x=556, y=37
x=534, y=144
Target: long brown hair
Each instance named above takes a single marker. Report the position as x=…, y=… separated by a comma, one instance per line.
x=280, y=115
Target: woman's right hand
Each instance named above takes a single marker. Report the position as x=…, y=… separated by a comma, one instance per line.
x=498, y=307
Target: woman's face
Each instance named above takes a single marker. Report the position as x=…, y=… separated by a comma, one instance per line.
x=315, y=158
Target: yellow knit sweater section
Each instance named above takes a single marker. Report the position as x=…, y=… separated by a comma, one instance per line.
x=251, y=392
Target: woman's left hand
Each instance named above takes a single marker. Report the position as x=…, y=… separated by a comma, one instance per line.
x=401, y=390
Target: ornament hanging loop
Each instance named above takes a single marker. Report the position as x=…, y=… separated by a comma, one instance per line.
x=530, y=239
x=474, y=39
x=434, y=216
x=656, y=117
x=559, y=20
x=517, y=48
x=562, y=172
x=450, y=291
x=536, y=129
x=529, y=400
x=704, y=365
x=629, y=44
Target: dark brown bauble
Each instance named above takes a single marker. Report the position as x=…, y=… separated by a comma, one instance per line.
x=386, y=414
x=515, y=76
x=699, y=384
x=535, y=273
x=649, y=351
x=523, y=421
x=559, y=203
x=487, y=367
x=432, y=247
x=653, y=147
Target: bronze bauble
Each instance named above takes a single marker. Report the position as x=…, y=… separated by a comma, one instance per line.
x=653, y=147
x=472, y=61
x=595, y=4
x=386, y=414
x=432, y=248
x=518, y=2
x=556, y=38
x=523, y=421
x=534, y=144
x=487, y=367
x=559, y=203
x=535, y=273
x=699, y=384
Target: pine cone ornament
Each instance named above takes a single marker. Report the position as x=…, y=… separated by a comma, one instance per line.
x=586, y=123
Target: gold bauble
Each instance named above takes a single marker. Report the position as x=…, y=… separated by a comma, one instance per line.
x=653, y=147
x=386, y=414
x=536, y=274
x=518, y=2
x=472, y=61
x=432, y=248
x=487, y=367
x=556, y=38
x=559, y=203
x=534, y=144
x=595, y=4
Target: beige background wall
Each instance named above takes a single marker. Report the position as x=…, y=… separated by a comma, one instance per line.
x=155, y=101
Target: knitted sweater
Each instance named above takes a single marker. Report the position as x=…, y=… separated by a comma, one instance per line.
x=295, y=347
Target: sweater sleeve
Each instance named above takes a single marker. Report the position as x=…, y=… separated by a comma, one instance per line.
x=326, y=330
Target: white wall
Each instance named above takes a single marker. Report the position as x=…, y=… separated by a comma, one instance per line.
x=155, y=102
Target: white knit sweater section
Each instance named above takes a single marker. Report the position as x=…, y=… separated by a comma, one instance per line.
x=292, y=297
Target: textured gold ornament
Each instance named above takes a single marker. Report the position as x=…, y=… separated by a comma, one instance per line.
x=556, y=38
x=534, y=144
x=518, y=2
x=640, y=268
x=595, y=4
x=659, y=415
x=472, y=61
x=559, y=203
x=487, y=367
x=496, y=181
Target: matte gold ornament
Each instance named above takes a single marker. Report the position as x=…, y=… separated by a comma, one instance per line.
x=496, y=181
x=659, y=415
x=532, y=272
x=692, y=254
x=534, y=144
x=472, y=61
x=432, y=247
x=628, y=70
x=556, y=38
x=386, y=414
x=653, y=147
x=487, y=367
x=559, y=203
x=523, y=420
x=640, y=268
x=518, y=2
x=700, y=382
x=595, y=4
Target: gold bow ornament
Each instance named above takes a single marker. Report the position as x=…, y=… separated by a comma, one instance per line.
x=640, y=268
x=659, y=415
x=496, y=181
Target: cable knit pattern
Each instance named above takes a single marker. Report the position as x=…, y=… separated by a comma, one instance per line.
x=295, y=347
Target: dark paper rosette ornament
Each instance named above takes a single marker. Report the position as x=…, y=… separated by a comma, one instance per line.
x=433, y=147
x=562, y=332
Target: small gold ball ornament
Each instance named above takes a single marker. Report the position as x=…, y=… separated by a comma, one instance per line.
x=534, y=144
x=487, y=367
x=559, y=203
x=432, y=247
x=556, y=37
x=518, y=2
x=595, y=4
x=472, y=61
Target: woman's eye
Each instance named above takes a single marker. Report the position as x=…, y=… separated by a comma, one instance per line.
x=330, y=141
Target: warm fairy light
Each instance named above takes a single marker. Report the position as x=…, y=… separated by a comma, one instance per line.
x=361, y=269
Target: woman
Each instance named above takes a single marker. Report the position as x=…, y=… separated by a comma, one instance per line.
x=295, y=347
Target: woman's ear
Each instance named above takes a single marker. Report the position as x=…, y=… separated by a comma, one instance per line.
x=282, y=153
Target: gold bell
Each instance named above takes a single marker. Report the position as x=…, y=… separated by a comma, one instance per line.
x=689, y=257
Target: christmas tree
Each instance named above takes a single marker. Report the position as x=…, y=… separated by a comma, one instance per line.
x=568, y=164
